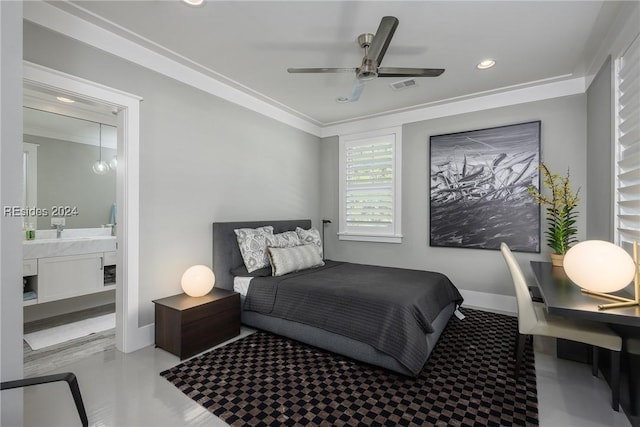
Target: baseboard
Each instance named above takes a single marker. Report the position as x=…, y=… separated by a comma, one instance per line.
x=144, y=336
x=489, y=302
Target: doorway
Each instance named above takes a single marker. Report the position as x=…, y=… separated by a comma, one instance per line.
x=125, y=107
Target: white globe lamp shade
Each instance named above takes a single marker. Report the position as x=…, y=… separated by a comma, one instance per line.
x=198, y=280
x=100, y=167
x=599, y=266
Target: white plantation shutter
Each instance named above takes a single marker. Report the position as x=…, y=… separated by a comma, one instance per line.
x=628, y=146
x=370, y=183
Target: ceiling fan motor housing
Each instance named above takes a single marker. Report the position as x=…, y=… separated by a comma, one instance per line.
x=368, y=70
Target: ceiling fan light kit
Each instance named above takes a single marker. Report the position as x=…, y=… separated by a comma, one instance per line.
x=375, y=46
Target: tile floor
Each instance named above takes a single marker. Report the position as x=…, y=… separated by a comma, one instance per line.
x=125, y=390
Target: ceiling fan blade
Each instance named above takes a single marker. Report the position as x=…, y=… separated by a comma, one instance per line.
x=409, y=72
x=382, y=38
x=321, y=70
x=358, y=87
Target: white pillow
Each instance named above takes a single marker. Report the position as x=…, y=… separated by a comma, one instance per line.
x=253, y=244
x=311, y=235
x=288, y=260
x=287, y=239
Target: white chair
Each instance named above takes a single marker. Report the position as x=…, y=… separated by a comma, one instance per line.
x=534, y=320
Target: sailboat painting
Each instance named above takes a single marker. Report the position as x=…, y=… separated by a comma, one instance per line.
x=478, y=188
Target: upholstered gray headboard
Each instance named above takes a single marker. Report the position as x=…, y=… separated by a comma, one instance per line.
x=226, y=254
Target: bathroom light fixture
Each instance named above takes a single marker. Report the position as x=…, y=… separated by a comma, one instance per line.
x=100, y=167
x=485, y=64
x=194, y=2
x=198, y=280
x=600, y=267
x=113, y=163
x=65, y=100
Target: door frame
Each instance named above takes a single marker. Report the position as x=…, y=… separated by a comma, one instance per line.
x=129, y=336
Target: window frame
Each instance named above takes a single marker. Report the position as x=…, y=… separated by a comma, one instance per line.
x=395, y=235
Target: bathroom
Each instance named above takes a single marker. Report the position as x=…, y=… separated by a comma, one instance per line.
x=70, y=228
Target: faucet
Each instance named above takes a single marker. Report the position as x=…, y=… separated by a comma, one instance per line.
x=59, y=228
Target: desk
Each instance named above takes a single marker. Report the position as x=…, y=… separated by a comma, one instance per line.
x=563, y=298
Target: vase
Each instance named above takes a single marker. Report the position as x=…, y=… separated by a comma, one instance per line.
x=557, y=259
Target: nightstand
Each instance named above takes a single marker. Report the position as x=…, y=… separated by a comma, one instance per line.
x=188, y=325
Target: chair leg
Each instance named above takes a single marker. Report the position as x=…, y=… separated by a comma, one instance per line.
x=522, y=340
x=69, y=377
x=594, y=360
x=615, y=380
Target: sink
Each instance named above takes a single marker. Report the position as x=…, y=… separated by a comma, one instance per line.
x=43, y=248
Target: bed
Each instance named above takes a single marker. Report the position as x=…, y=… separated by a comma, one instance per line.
x=339, y=337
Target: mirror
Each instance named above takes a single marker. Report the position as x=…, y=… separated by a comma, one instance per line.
x=61, y=145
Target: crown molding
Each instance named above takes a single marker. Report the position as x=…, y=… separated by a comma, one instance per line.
x=180, y=69
x=65, y=23
x=620, y=36
x=536, y=91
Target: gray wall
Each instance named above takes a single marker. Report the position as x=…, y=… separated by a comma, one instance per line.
x=563, y=145
x=599, y=192
x=202, y=159
x=11, y=195
x=65, y=178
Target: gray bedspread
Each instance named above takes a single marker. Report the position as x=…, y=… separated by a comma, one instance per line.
x=390, y=309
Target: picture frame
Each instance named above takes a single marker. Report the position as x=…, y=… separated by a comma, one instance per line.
x=478, y=192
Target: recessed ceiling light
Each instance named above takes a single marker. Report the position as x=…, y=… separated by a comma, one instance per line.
x=487, y=63
x=342, y=100
x=194, y=2
x=65, y=100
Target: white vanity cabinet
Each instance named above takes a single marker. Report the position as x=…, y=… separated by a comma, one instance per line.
x=70, y=276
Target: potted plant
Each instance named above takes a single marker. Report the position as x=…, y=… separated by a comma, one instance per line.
x=561, y=213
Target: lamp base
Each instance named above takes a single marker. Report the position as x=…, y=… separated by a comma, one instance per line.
x=621, y=302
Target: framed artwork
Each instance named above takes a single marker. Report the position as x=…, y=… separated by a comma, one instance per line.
x=478, y=191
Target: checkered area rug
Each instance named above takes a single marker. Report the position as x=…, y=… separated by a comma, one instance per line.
x=268, y=380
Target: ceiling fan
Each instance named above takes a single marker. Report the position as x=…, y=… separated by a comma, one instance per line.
x=375, y=46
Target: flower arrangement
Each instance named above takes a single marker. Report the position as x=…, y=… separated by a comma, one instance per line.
x=561, y=214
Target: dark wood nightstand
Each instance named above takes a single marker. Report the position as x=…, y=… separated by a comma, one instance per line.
x=188, y=325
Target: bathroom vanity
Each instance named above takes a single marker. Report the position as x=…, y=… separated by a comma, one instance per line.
x=80, y=262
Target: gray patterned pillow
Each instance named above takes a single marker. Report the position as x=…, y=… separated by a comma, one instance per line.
x=287, y=239
x=311, y=235
x=288, y=260
x=253, y=244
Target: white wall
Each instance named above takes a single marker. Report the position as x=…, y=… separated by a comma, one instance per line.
x=563, y=144
x=599, y=207
x=202, y=159
x=10, y=195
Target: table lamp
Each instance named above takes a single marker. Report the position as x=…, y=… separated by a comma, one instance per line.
x=600, y=267
x=197, y=280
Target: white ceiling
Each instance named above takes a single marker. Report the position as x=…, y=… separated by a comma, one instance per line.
x=251, y=45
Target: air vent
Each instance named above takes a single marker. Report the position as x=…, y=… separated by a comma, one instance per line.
x=403, y=84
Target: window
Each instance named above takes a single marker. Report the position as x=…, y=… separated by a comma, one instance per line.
x=628, y=146
x=370, y=178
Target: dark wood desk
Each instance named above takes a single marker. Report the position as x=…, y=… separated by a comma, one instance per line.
x=563, y=298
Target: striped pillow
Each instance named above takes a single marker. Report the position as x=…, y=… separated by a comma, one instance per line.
x=288, y=260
